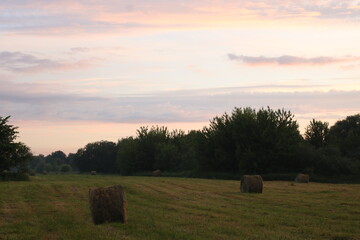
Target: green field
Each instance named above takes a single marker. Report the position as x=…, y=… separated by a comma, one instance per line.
x=56, y=207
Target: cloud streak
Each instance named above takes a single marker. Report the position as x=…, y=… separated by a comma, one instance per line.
x=288, y=60
x=168, y=106
x=19, y=62
x=97, y=16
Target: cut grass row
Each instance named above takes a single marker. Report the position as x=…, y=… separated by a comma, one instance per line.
x=56, y=207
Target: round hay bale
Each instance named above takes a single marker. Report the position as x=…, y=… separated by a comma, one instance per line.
x=302, y=178
x=157, y=173
x=251, y=184
x=93, y=173
x=107, y=204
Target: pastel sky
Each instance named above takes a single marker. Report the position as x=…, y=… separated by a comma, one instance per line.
x=74, y=72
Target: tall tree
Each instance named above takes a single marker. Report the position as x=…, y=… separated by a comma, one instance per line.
x=317, y=133
x=128, y=160
x=251, y=141
x=12, y=154
x=157, y=148
x=60, y=155
x=346, y=135
x=7, y=144
x=97, y=156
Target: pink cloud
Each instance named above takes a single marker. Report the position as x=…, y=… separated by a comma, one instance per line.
x=351, y=67
x=76, y=17
x=18, y=62
x=95, y=118
x=287, y=60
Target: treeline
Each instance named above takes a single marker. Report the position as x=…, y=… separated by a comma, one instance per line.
x=263, y=141
x=55, y=162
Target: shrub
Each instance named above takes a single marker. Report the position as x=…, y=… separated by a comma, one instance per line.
x=14, y=176
x=65, y=168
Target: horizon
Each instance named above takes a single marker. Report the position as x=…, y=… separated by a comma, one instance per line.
x=80, y=72
x=132, y=130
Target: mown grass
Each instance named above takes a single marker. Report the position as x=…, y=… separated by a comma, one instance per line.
x=56, y=207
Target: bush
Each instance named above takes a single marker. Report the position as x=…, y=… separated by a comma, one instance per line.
x=14, y=176
x=65, y=168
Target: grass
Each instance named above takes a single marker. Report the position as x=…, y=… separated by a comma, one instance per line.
x=56, y=207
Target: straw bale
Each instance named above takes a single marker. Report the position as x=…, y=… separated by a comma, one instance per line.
x=108, y=204
x=302, y=178
x=251, y=184
x=157, y=173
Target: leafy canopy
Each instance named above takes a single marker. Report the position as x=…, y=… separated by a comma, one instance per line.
x=12, y=154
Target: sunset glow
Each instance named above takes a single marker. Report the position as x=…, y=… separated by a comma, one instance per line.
x=74, y=72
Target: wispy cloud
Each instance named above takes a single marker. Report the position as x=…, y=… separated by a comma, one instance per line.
x=97, y=16
x=80, y=50
x=19, y=62
x=168, y=106
x=349, y=9
x=351, y=67
x=287, y=60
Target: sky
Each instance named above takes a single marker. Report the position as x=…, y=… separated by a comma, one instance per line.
x=75, y=72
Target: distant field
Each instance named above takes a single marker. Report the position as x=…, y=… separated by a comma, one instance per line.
x=56, y=207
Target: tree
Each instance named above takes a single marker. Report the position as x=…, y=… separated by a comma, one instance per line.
x=337, y=149
x=218, y=146
x=70, y=160
x=56, y=160
x=22, y=157
x=98, y=156
x=158, y=148
x=57, y=156
x=65, y=168
x=149, y=140
x=36, y=160
x=346, y=135
x=128, y=161
x=167, y=157
x=12, y=154
x=317, y=133
x=189, y=147
x=251, y=141
x=40, y=166
x=7, y=144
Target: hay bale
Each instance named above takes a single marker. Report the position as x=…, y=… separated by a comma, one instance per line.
x=251, y=184
x=107, y=204
x=93, y=173
x=157, y=173
x=302, y=178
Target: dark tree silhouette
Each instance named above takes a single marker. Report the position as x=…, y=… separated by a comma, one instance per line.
x=12, y=154
x=317, y=133
x=97, y=156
